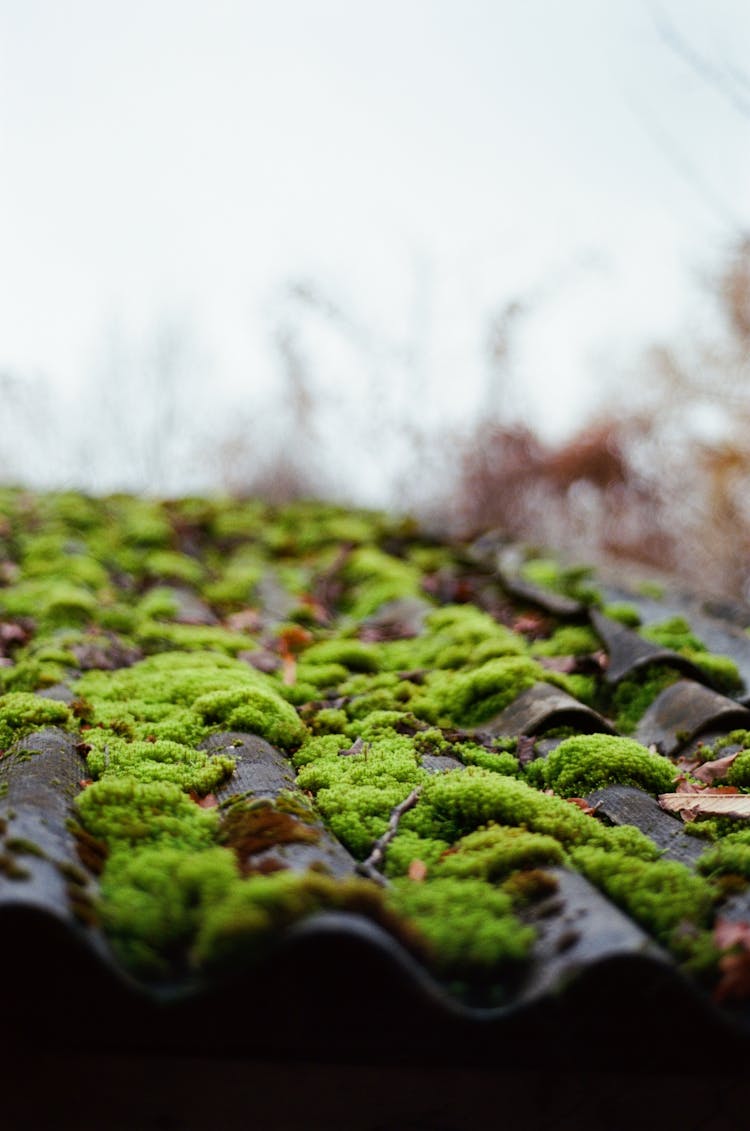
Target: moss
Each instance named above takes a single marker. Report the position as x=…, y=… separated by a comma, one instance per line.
x=169, y=565
x=153, y=902
x=624, y=613
x=257, y=709
x=21, y=713
x=584, y=763
x=676, y=634
x=730, y=856
x=469, y=923
x=53, y=603
x=459, y=802
x=374, y=578
x=737, y=774
x=407, y=847
x=492, y=853
x=470, y=698
x=634, y=695
x=160, y=761
x=353, y=655
x=124, y=813
x=568, y=640
x=240, y=928
x=661, y=895
x=570, y=581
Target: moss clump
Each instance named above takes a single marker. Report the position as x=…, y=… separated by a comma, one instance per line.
x=356, y=793
x=352, y=655
x=258, y=710
x=22, y=713
x=459, y=802
x=635, y=694
x=471, y=698
x=492, y=853
x=584, y=763
x=569, y=581
x=729, y=856
x=662, y=896
x=469, y=923
x=125, y=813
x=624, y=613
x=569, y=640
x=154, y=902
x=375, y=577
x=676, y=633
x=160, y=761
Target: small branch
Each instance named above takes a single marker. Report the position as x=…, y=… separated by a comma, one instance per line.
x=370, y=866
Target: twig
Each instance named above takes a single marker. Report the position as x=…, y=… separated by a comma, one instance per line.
x=369, y=867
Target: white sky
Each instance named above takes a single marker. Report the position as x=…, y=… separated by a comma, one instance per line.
x=421, y=163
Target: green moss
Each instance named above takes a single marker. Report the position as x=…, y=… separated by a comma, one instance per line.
x=125, y=813
x=171, y=566
x=570, y=581
x=730, y=856
x=53, y=603
x=162, y=760
x=584, y=763
x=676, y=633
x=470, y=698
x=470, y=924
x=459, y=802
x=352, y=655
x=624, y=613
x=662, y=896
x=635, y=694
x=153, y=903
x=22, y=713
x=258, y=710
x=492, y=853
x=568, y=640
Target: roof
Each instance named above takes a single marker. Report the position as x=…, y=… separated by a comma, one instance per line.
x=263, y=766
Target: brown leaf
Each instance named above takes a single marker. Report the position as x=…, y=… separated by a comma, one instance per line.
x=583, y=805
x=707, y=803
x=417, y=870
x=685, y=786
x=734, y=984
x=728, y=934
x=710, y=772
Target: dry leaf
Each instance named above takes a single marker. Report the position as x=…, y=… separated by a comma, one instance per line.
x=707, y=803
x=734, y=984
x=417, y=870
x=728, y=934
x=710, y=772
x=583, y=805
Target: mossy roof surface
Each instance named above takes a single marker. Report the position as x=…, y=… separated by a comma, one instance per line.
x=375, y=666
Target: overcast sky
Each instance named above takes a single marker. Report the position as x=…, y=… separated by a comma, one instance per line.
x=420, y=164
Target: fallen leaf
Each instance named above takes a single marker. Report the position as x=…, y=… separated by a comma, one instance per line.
x=712, y=771
x=707, y=803
x=583, y=805
x=734, y=984
x=686, y=786
x=728, y=934
x=417, y=870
